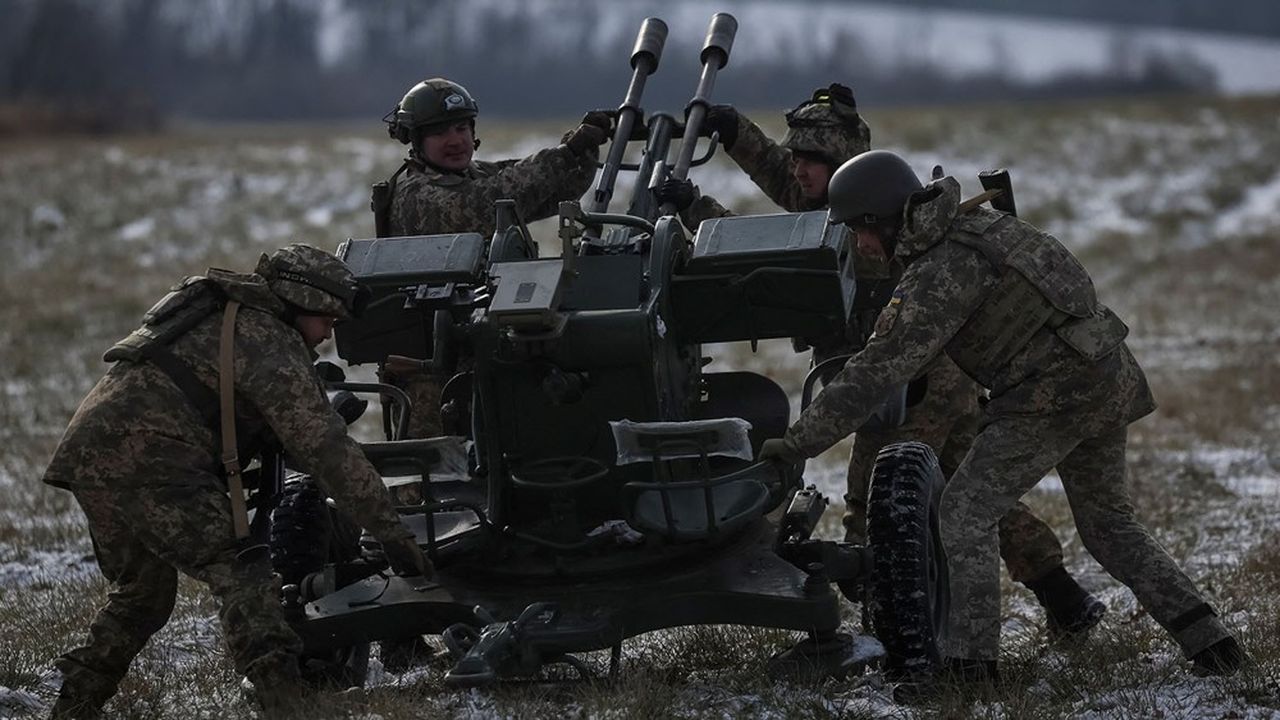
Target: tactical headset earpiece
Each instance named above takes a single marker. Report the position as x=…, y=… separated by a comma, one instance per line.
x=403, y=132
x=396, y=127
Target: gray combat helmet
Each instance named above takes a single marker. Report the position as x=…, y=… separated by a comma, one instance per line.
x=828, y=125
x=313, y=281
x=431, y=104
x=871, y=189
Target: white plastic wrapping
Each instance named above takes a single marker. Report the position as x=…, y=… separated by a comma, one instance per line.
x=731, y=439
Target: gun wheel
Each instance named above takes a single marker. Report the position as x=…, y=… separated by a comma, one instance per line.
x=909, y=596
x=305, y=535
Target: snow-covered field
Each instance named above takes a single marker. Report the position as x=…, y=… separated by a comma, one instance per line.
x=1174, y=206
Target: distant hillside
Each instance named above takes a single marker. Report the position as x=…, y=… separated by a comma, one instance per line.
x=138, y=61
x=1245, y=17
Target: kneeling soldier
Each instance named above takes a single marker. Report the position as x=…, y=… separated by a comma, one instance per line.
x=148, y=459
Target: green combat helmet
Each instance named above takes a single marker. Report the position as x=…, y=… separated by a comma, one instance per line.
x=314, y=281
x=871, y=189
x=828, y=125
x=431, y=104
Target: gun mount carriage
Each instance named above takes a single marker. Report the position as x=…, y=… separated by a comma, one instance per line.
x=596, y=482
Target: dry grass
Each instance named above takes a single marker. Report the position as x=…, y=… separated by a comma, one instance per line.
x=96, y=229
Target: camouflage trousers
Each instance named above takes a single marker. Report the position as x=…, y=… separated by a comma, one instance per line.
x=1008, y=458
x=142, y=538
x=946, y=419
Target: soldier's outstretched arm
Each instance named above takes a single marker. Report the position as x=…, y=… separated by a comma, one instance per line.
x=703, y=207
x=275, y=374
x=767, y=163
x=539, y=182
x=930, y=304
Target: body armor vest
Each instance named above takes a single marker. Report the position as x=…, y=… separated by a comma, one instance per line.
x=186, y=305
x=1042, y=286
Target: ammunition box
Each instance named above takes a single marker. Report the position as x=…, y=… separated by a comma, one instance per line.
x=765, y=276
x=410, y=277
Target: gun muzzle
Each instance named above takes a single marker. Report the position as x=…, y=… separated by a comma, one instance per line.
x=649, y=44
x=719, y=39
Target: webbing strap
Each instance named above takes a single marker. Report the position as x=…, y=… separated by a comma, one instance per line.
x=203, y=399
x=1190, y=617
x=977, y=200
x=227, y=404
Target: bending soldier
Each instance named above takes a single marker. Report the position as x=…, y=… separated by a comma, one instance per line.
x=441, y=189
x=1017, y=312
x=143, y=457
x=823, y=133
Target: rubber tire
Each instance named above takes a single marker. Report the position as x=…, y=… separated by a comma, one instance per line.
x=301, y=529
x=908, y=592
x=305, y=535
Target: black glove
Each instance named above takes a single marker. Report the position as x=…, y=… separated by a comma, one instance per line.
x=724, y=120
x=406, y=558
x=585, y=138
x=680, y=193
x=603, y=119
x=780, y=451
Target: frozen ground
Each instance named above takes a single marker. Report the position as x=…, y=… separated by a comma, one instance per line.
x=1174, y=206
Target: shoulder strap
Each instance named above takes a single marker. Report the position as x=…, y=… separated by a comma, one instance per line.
x=198, y=394
x=380, y=201
x=978, y=199
x=226, y=391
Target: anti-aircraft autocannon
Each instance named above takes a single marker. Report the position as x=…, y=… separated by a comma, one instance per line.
x=597, y=482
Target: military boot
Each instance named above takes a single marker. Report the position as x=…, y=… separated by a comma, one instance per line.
x=82, y=692
x=70, y=707
x=276, y=688
x=1224, y=657
x=1071, y=610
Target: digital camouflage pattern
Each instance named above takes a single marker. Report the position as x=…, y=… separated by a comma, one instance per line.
x=142, y=538
x=946, y=418
x=311, y=279
x=768, y=164
x=822, y=128
x=1050, y=406
x=145, y=467
x=428, y=202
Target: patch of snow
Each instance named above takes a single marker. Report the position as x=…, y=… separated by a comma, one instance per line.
x=35, y=701
x=45, y=566
x=260, y=185
x=270, y=231
x=47, y=217
x=139, y=229
x=1256, y=213
x=16, y=703
x=319, y=216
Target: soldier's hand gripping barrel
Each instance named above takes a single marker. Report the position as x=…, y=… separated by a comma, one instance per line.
x=644, y=61
x=715, y=55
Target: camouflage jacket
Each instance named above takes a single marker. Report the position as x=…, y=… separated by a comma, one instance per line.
x=429, y=202
x=768, y=164
x=947, y=281
x=137, y=428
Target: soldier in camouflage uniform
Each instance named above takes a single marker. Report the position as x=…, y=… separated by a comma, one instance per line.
x=1017, y=312
x=823, y=133
x=440, y=189
x=142, y=457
